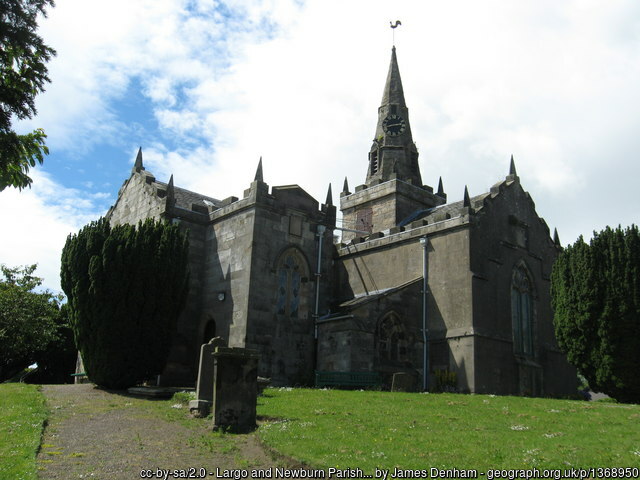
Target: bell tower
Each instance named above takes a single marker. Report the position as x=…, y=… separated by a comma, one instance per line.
x=393, y=153
x=393, y=190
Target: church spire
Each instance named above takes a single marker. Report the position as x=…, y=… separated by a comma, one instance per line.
x=393, y=154
x=393, y=92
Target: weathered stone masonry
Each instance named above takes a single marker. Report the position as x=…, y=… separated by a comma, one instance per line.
x=253, y=277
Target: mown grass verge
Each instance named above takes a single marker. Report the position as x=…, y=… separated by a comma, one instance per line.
x=349, y=429
x=22, y=416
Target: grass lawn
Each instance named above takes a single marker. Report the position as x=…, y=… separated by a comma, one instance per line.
x=349, y=429
x=22, y=416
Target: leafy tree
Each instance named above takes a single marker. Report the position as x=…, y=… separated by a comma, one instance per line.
x=30, y=321
x=126, y=286
x=595, y=292
x=23, y=74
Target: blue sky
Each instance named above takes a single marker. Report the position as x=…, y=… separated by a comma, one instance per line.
x=207, y=87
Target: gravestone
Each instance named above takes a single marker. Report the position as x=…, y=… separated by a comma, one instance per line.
x=403, y=382
x=235, y=388
x=204, y=392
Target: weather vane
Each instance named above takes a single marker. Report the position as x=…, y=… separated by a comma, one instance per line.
x=393, y=29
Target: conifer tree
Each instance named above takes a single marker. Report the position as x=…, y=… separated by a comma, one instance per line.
x=595, y=292
x=126, y=286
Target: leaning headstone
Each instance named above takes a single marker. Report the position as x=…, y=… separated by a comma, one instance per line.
x=204, y=392
x=235, y=388
x=403, y=382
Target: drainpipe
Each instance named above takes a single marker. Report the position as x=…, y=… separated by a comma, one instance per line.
x=320, y=235
x=425, y=339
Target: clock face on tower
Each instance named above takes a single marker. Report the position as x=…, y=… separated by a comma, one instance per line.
x=394, y=125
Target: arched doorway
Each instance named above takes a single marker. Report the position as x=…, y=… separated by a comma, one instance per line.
x=209, y=331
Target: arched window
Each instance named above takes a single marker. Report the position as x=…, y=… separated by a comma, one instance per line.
x=292, y=272
x=522, y=311
x=391, y=343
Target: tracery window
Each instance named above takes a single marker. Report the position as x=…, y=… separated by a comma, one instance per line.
x=522, y=311
x=391, y=339
x=291, y=271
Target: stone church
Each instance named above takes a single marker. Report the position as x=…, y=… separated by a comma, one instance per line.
x=267, y=274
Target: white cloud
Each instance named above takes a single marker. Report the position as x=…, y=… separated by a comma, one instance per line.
x=553, y=83
x=36, y=222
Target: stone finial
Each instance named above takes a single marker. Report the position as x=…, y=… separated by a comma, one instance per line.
x=440, y=191
x=329, y=200
x=138, y=166
x=259, y=177
x=512, y=167
x=467, y=200
x=556, y=237
x=171, y=191
x=345, y=188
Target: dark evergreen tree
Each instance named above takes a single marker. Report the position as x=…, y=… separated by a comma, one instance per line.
x=23, y=74
x=595, y=292
x=126, y=286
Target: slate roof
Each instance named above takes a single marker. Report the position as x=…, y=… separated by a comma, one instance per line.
x=366, y=298
x=185, y=198
x=442, y=212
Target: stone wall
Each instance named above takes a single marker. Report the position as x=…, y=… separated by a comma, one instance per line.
x=240, y=287
x=139, y=198
x=389, y=202
x=372, y=268
x=472, y=253
x=286, y=226
x=350, y=344
x=243, y=246
x=509, y=233
x=234, y=251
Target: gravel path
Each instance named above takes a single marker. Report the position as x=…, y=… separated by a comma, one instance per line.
x=97, y=434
